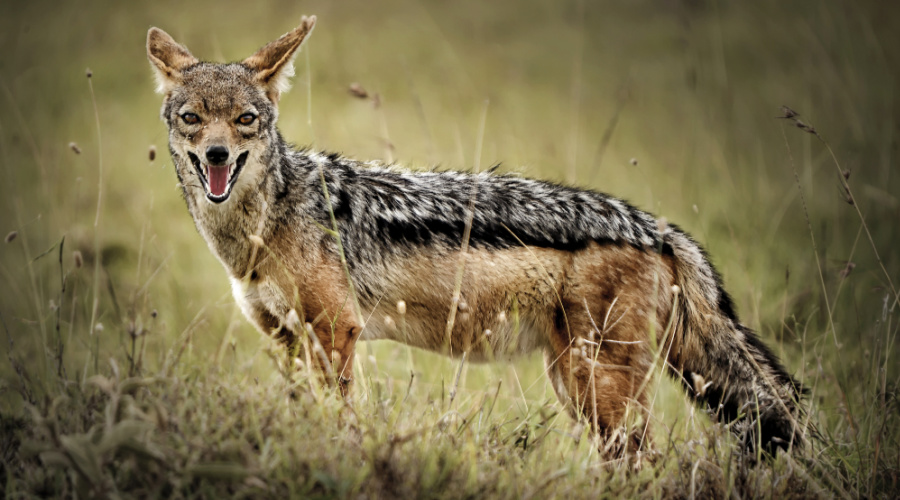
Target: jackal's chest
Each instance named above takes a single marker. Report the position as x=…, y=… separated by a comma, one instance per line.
x=262, y=303
x=245, y=296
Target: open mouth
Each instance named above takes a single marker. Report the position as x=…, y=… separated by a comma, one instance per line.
x=218, y=179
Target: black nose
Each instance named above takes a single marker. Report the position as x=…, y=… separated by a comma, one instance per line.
x=216, y=154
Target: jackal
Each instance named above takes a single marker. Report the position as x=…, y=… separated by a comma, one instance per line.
x=323, y=250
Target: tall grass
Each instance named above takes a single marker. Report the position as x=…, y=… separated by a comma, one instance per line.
x=128, y=371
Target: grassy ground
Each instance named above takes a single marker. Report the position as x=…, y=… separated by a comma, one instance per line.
x=128, y=371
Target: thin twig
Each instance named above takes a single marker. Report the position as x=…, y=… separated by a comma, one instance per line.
x=340, y=246
x=60, y=347
x=467, y=233
x=97, y=251
x=8, y=335
x=459, y=370
x=862, y=219
x=812, y=236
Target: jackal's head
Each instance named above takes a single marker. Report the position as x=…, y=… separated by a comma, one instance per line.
x=221, y=117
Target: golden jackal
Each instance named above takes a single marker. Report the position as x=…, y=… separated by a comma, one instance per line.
x=313, y=243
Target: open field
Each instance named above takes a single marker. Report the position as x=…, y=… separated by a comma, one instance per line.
x=127, y=370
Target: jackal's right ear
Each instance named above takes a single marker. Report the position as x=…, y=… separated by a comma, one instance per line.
x=168, y=58
x=273, y=64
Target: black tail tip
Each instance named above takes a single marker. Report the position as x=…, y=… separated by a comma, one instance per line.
x=771, y=431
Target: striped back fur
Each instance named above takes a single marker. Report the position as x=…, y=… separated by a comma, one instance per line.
x=385, y=212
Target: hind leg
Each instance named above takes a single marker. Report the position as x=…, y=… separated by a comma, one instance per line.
x=600, y=356
x=609, y=396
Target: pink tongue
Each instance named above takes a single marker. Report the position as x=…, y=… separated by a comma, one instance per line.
x=218, y=180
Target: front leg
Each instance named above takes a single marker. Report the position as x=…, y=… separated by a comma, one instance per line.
x=331, y=347
x=335, y=347
x=325, y=323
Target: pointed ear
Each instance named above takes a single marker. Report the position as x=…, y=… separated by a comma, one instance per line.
x=168, y=58
x=273, y=64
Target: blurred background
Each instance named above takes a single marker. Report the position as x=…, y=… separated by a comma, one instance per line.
x=670, y=104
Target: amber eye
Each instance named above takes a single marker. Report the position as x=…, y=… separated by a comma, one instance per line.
x=190, y=118
x=246, y=119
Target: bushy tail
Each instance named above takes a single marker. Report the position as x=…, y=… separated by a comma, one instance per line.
x=722, y=363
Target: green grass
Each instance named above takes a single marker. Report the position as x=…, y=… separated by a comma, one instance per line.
x=175, y=395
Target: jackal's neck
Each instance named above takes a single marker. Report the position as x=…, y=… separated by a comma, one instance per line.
x=234, y=228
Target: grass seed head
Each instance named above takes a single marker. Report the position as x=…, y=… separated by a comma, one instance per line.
x=847, y=195
x=74, y=147
x=662, y=224
x=847, y=270
x=292, y=322
x=700, y=384
x=788, y=113
x=809, y=129
x=257, y=241
x=357, y=90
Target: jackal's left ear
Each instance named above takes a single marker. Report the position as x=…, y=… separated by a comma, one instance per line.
x=168, y=58
x=274, y=63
